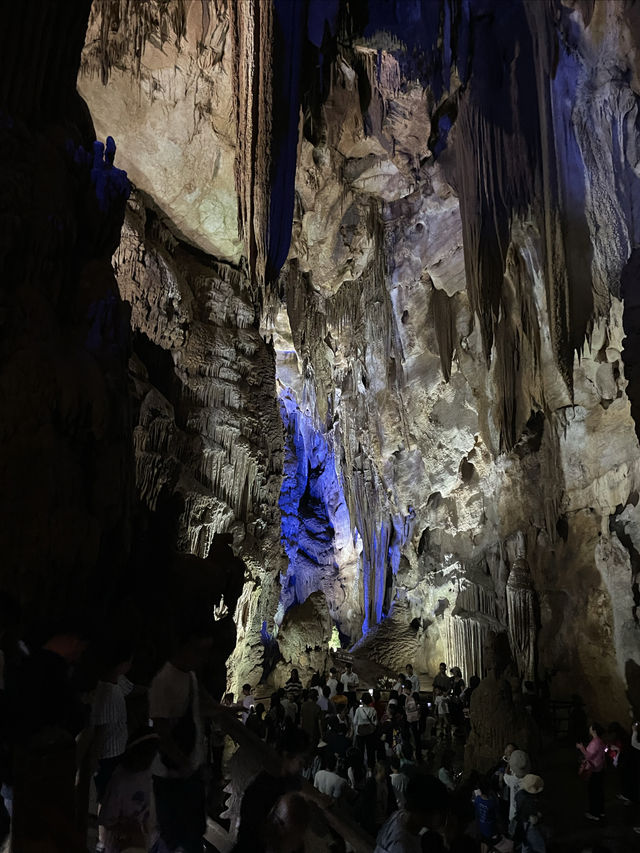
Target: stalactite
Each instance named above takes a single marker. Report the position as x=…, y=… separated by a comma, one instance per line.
x=522, y=615
x=125, y=27
x=465, y=642
x=444, y=324
x=467, y=628
x=252, y=39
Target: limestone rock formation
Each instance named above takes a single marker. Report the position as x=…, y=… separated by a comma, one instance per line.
x=496, y=720
x=304, y=638
x=446, y=337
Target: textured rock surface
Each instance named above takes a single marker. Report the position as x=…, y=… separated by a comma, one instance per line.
x=208, y=435
x=446, y=338
x=304, y=637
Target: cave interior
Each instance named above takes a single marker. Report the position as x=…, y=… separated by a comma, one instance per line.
x=326, y=314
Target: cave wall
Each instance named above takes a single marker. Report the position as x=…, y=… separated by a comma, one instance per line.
x=447, y=332
x=66, y=463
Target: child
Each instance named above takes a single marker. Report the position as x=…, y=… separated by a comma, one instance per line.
x=442, y=712
x=486, y=811
x=127, y=808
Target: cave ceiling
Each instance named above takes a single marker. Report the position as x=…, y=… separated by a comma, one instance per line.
x=376, y=254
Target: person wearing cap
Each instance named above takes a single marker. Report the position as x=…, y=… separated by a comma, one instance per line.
x=529, y=814
x=127, y=814
x=517, y=769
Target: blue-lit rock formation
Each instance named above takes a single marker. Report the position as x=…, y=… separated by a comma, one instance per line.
x=321, y=543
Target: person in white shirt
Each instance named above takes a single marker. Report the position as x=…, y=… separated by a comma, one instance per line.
x=127, y=817
x=328, y=782
x=412, y=711
x=174, y=706
x=332, y=681
x=350, y=681
x=247, y=702
x=413, y=679
x=513, y=776
x=399, y=782
x=365, y=724
x=442, y=712
x=109, y=716
x=400, y=682
x=445, y=773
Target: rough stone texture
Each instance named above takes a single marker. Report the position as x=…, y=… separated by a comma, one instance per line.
x=208, y=435
x=448, y=337
x=304, y=637
x=496, y=720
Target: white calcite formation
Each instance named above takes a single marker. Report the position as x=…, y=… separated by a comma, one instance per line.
x=436, y=431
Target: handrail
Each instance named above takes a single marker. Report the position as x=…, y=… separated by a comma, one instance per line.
x=266, y=758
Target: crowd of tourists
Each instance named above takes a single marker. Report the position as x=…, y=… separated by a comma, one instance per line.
x=387, y=760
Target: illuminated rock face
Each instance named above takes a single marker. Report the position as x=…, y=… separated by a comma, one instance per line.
x=170, y=98
x=447, y=342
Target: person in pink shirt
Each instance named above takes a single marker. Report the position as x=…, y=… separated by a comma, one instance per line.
x=594, y=753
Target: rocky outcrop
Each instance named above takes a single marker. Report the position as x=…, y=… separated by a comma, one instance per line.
x=208, y=436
